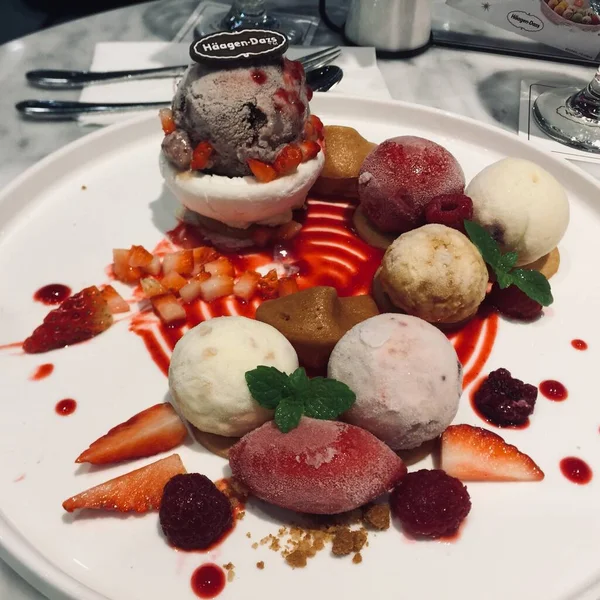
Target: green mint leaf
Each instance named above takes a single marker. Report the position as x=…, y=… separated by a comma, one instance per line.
x=504, y=279
x=327, y=398
x=267, y=385
x=485, y=243
x=508, y=261
x=288, y=414
x=534, y=284
x=298, y=381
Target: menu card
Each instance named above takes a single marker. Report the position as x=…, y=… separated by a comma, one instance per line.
x=571, y=25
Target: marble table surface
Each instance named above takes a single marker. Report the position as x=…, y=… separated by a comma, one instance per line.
x=479, y=85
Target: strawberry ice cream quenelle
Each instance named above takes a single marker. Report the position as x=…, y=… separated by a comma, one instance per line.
x=406, y=377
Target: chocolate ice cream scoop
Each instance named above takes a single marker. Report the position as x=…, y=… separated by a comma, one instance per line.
x=314, y=320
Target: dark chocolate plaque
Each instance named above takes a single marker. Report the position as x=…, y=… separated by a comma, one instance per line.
x=247, y=45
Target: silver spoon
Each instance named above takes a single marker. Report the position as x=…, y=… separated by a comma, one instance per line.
x=320, y=80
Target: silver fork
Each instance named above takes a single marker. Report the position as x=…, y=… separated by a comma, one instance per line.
x=57, y=79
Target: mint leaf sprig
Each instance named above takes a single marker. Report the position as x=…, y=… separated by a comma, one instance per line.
x=292, y=396
x=532, y=283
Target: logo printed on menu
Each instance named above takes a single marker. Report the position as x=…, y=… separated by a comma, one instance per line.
x=525, y=21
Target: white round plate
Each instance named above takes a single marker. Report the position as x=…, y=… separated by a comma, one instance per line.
x=521, y=540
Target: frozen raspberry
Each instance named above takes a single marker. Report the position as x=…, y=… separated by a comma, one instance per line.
x=193, y=512
x=505, y=400
x=450, y=210
x=514, y=303
x=430, y=503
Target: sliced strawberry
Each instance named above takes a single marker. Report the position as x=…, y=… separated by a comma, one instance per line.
x=476, y=454
x=181, y=262
x=287, y=286
x=201, y=156
x=173, y=281
x=79, y=318
x=155, y=266
x=193, y=288
x=156, y=429
x=166, y=120
x=262, y=171
x=263, y=236
x=122, y=270
x=317, y=125
x=221, y=266
x=116, y=303
x=204, y=254
x=216, y=287
x=288, y=230
x=309, y=149
x=268, y=286
x=245, y=287
x=152, y=287
x=287, y=160
x=168, y=309
x=139, y=491
x=139, y=257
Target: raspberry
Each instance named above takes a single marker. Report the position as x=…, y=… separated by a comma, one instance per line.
x=450, y=210
x=430, y=503
x=505, y=400
x=193, y=512
x=514, y=303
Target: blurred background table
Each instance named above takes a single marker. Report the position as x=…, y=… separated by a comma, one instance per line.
x=481, y=85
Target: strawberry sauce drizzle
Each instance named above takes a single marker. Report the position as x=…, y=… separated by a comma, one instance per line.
x=42, y=372
x=65, y=407
x=576, y=470
x=326, y=252
x=208, y=581
x=53, y=293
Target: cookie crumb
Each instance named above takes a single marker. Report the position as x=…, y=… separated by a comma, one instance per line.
x=260, y=565
x=248, y=535
x=378, y=517
x=296, y=559
x=342, y=542
x=255, y=546
x=357, y=558
x=84, y=187
x=229, y=567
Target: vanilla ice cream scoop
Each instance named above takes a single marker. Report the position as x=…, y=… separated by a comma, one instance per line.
x=406, y=377
x=522, y=206
x=208, y=367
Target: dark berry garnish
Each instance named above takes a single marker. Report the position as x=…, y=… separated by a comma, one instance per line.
x=505, y=400
x=514, y=303
x=430, y=503
x=450, y=210
x=193, y=512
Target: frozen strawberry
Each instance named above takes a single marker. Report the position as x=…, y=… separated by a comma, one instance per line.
x=152, y=287
x=122, y=270
x=155, y=266
x=287, y=160
x=262, y=171
x=476, y=454
x=268, y=286
x=116, y=303
x=79, y=318
x=139, y=491
x=156, y=429
x=166, y=120
x=288, y=231
x=168, y=309
x=320, y=467
x=245, y=287
x=181, y=262
x=139, y=257
x=201, y=156
x=309, y=149
x=193, y=288
x=287, y=286
x=216, y=287
x=173, y=281
x=220, y=266
x=263, y=236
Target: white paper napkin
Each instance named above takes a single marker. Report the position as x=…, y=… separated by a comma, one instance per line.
x=362, y=77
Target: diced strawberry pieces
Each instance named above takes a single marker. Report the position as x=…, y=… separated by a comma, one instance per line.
x=168, y=309
x=245, y=287
x=151, y=287
x=216, y=287
x=193, y=288
x=156, y=429
x=139, y=491
x=204, y=254
x=139, y=257
x=155, y=266
x=166, y=120
x=121, y=267
x=476, y=454
x=287, y=160
x=263, y=236
x=79, y=318
x=173, y=281
x=262, y=171
x=220, y=266
x=201, y=156
x=317, y=125
x=181, y=262
x=268, y=286
x=287, y=286
x=116, y=303
x=288, y=231
x=309, y=149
